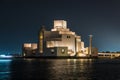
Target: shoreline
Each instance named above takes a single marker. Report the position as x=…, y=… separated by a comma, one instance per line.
x=52, y=57
x=62, y=57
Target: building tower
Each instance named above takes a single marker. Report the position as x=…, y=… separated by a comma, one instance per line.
x=90, y=44
x=41, y=40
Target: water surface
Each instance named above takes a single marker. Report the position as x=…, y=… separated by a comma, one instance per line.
x=59, y=69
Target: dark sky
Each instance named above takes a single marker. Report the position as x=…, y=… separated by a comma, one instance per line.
x=20, y=21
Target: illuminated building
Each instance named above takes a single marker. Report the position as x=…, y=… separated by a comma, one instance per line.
x=109, y=55
x=60, y=37
x=29, y=49
x=40, y=40
x=59, y=41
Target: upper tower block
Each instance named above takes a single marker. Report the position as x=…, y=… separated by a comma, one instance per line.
x=60, y=24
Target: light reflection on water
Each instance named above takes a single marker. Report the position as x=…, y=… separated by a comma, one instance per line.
x=59, y=69
x=80, y=69
x=5, y=60
x=5, y=69
x=69, y=69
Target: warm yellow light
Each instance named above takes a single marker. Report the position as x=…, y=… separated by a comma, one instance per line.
x=81, y=54
x=60, y=24
x=27, y=44
x=41, y=37
x=41, y=43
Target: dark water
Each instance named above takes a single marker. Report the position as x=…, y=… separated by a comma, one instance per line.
x=59, y=69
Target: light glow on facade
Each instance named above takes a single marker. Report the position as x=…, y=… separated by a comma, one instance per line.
x=60, y=24
x=82, y=55
x=60, y=41
x=68, y=38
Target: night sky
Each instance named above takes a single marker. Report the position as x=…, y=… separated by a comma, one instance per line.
x=20, y=21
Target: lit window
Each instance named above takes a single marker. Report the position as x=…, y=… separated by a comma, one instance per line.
x=41, y=37
x=52, y=50
x=63, y=50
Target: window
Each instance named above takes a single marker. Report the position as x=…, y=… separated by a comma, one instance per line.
x=68, y=36
x=63, y=51
x=52, y=51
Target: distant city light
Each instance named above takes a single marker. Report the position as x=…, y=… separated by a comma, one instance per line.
x=5, y=56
